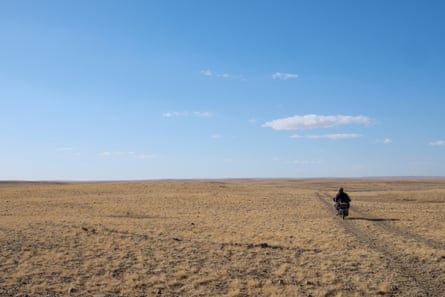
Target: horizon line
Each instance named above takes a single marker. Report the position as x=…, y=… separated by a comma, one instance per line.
x=383, y=177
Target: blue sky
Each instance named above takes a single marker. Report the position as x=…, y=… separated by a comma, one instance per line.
x=112, y=90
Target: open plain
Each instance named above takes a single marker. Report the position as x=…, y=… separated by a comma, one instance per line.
x=222, y=238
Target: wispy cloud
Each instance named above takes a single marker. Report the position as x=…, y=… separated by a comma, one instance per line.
x=126, y=154
x=329, y=136
x=438, y=143
x=313, y=121
x=216, y=136
x=172, y=114
x=284, y=76
x=387, y=141
x=202, y=114
x=206, y=72
x=197, y=114
x=211, y=73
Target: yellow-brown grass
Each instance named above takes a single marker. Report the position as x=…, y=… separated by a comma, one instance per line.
x=222, y=238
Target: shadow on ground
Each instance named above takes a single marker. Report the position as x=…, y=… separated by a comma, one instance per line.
x=374, y=219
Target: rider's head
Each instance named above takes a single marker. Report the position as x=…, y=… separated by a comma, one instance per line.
x=340, y=190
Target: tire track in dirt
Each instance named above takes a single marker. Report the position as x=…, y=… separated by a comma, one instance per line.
x=384, y=224
x=417, y=279
x=402, y=233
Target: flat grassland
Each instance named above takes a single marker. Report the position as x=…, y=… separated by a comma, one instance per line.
x=222, y=238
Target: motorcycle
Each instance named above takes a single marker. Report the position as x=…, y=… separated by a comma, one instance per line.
x=343, y=210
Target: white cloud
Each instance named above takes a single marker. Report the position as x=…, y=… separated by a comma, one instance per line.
x=172, y=114
x=210, y=73
x=438, y=143
x=387, y=141
x=284, y=76
x=313, y=121
x=216, y=136
x=206, y=72
x=198, y=114
x=202, y=114
x=329, y=136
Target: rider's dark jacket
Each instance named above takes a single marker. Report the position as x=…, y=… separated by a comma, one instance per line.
x=342, y=197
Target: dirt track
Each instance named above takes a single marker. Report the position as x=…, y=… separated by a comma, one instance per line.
x=414, y=277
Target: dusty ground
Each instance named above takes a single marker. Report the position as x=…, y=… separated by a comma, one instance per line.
x=222, y=238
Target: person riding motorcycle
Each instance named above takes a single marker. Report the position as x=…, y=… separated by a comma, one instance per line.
x=341, y=197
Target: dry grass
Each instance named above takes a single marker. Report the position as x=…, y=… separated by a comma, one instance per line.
x=222, y=238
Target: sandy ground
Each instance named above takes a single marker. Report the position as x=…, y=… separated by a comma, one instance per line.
x=222, y=238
